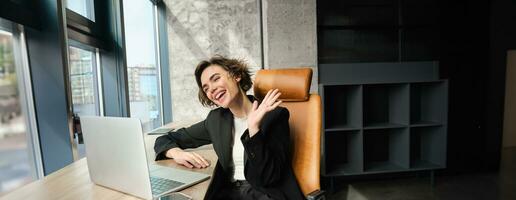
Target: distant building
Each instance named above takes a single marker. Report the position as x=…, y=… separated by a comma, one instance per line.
x=142, y=82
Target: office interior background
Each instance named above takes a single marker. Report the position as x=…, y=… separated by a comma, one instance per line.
x=62, y=59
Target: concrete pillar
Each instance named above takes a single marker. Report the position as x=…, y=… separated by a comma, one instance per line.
x=199, y=29
x=290, y=35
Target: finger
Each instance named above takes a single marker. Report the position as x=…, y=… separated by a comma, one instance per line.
x=255, y=105
x=186, y=164
x=273, y=100
x=275, y=105
x=206, y=163
x=203, y=160
x=273, y=96
x=195, y=161
x=266, y=98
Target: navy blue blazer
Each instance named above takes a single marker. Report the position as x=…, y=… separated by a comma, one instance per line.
x=267, y=155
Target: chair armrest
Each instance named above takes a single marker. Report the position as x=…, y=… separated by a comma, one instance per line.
x=316, y=195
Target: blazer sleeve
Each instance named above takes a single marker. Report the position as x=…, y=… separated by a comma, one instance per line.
x=184, y=138
x=268, y=151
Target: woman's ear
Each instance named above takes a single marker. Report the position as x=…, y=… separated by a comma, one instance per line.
x=238, y=79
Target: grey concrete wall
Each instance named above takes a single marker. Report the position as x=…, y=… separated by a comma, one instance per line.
x=290, y=35
x=199, y=29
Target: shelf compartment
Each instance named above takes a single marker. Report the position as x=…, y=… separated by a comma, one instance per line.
x=343, y=107
x=428, y=147
x=386, y=150
x=428, y=103
x=385, y=105
x=343, y=153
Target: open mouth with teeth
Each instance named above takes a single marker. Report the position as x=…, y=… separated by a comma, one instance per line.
x=219, y=96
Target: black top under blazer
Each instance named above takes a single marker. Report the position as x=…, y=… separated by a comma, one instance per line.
x=267, y=155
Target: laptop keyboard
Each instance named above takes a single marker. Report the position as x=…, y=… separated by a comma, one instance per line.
x=160, y=185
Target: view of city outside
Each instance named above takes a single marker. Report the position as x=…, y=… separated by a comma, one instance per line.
x=83, y=82
x=15, y=163
x=82, y=7
x=142, y=69
x=83, y=85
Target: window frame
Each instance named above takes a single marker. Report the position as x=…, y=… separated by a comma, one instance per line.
x=163, y=60
x=20, y=13
x=83, y=30
x=97, y=82
x=27, y=104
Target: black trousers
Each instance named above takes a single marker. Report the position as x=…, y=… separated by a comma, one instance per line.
x=242, y=190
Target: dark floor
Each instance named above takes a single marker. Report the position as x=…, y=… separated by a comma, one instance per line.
x=490, y=186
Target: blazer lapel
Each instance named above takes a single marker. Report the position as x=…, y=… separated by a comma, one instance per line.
x=226, y=137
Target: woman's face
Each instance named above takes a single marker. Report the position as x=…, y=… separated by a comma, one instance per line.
x=219, y=86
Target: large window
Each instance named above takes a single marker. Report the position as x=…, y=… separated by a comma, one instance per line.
x=84, y=85
x=17, y=157
x=83, y=80
x=83, y=66
x=143, y=69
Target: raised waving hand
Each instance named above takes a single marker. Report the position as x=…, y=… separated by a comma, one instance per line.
x=255, y=117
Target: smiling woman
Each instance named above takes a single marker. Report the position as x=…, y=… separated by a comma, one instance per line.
x=251, y=138
x=233, y=68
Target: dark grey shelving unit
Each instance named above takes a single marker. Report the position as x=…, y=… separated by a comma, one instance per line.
x=385, y=106
x=380, y=124
x=346, y=114
x=353, y=31
x=344, y=152
x=386, y=150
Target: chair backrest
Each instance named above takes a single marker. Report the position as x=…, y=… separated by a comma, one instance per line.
x=305, y=119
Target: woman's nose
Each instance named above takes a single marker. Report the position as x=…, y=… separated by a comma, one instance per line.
x=212, y=90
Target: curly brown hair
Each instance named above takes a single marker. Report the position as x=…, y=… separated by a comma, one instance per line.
x=235, y=67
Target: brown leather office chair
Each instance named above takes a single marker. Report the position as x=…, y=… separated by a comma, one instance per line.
x=305, y=122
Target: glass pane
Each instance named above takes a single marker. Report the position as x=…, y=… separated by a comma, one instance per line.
x=16, y=165
x=143, y=76
x=83, y=82
x=82, y=7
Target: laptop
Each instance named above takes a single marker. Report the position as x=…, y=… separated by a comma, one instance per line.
x=115, y=151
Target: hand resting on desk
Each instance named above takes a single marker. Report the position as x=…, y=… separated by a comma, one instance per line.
x=187, y=159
